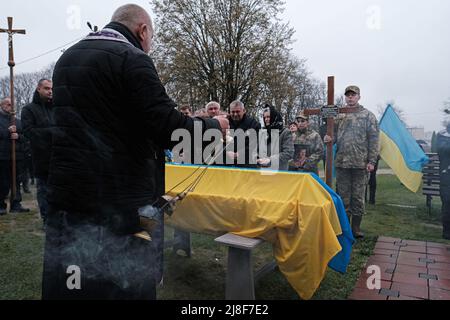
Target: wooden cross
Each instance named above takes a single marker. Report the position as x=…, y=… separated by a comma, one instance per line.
x=330, y=112
x=10, y=31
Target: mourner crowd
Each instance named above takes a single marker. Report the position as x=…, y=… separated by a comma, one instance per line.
x=98, y=133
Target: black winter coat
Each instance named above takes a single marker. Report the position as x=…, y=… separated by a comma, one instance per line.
x=245, y=124
x=36, y=121
x=112, y=121
x=443, y=148
x=5, y=139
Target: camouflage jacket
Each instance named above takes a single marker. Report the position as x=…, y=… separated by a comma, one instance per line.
x=357, y=138
x=314, y=145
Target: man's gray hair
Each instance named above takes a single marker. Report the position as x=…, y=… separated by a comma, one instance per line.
x=212, y=103
x=237, y=103
x=131, y=15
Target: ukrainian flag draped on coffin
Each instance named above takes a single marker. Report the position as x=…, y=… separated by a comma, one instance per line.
x=401, y=151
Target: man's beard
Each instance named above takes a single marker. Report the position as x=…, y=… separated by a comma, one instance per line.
x=45, y=99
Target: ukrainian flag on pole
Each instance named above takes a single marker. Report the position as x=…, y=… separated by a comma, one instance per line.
x=401, y=151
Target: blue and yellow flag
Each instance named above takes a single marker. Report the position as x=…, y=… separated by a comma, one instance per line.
x=401, y=151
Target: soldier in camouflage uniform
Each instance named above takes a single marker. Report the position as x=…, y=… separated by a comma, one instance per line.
x=357, y=138
x=311, y=141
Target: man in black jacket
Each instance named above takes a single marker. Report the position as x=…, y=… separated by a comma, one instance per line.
x=36, y=120
x=443, y=149
x=245, y=156
x=8, y=133
x=112, y=122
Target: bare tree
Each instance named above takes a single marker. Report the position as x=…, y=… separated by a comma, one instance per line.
x=220, y=49
x=399, y=111
x=446, y=111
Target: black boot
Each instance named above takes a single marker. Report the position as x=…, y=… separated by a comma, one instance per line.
x=446, y=233
x=19, y=209
x=356, y=223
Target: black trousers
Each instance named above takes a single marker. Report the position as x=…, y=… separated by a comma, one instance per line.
x=5, y=182
x=83, y=261
x=446, y=213
x=371, y=188
x=26, y=171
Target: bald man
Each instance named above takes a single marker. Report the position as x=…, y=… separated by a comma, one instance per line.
x=112, y=121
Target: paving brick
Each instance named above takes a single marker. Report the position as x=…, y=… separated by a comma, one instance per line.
x=389, y=239
x=439, y=258
x=439, y=294
x=386, y=246
x=365, y=294
x=410, y=290
x=403, y=298
x=439, y=266
x=415, y=249
x=382, y=265
x=389, y=271
x=411, y=262
x=438, y=251
x=440, y=284
x=428, y=276
x=411, y=255
x=376, y=259
x=414, y=243
x=410, y=269
x=400, y=244
x=389, y=293
x=426, y=260
x=437, y=245
x=442, y=274
x=409, y=278
x=384, y=252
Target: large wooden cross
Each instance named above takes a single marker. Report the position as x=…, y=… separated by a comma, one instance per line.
x=10, y=31
x=330, y=112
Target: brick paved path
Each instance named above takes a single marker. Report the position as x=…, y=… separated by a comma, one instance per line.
x=410, y=270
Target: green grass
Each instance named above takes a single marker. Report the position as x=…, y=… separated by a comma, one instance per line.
x=21, y=254
x=203, y=275
x=383, y=165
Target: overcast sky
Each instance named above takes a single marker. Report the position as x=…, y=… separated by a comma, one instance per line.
x=394, y=50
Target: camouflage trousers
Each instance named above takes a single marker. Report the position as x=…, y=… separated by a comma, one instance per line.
x=351, y=186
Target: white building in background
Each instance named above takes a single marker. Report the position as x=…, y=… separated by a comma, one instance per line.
x=417, y=132
x=423, y=138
